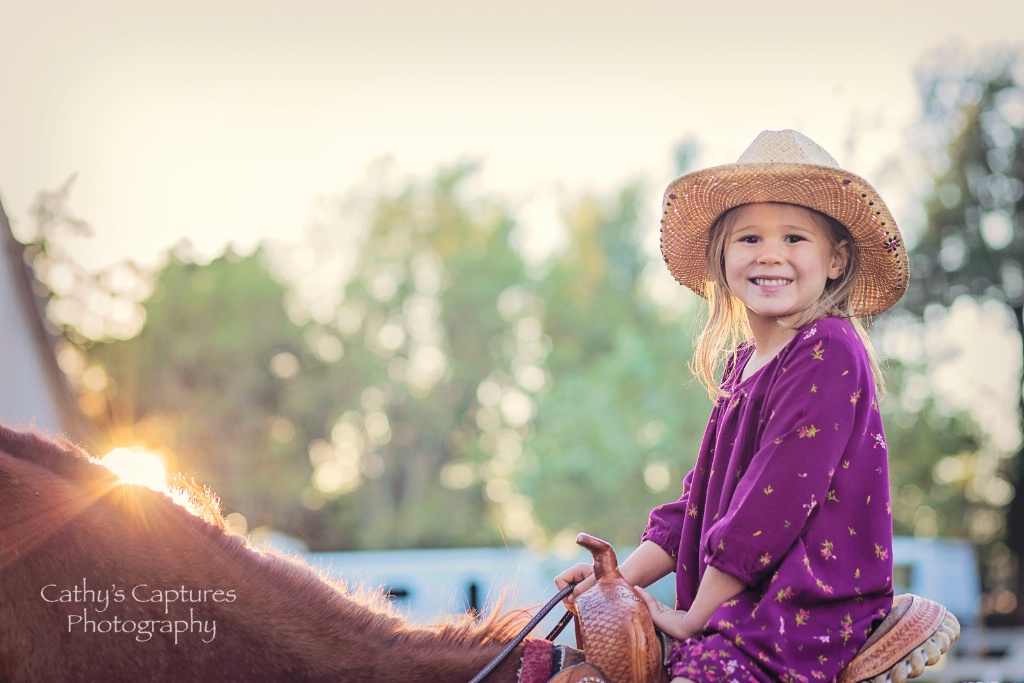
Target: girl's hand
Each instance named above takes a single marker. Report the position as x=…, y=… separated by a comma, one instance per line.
x=580, y=574
x=671, y=621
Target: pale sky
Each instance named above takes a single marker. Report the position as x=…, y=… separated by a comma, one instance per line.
x=222, y=121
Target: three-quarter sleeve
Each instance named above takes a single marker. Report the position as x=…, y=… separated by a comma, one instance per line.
x=665, y=524
x=807, y=420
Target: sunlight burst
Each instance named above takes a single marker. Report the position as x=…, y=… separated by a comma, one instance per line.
x=137, y=466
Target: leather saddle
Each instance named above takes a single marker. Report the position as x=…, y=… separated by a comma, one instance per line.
x=620, y=644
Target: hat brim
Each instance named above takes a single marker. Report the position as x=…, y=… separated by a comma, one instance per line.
x=694, y=201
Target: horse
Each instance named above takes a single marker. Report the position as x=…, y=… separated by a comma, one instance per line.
x=101, y=580
x=115, y=582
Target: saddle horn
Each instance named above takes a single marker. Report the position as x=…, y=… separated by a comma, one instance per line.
x=605, y=561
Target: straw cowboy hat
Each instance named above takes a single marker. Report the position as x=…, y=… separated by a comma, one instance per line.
x=786, y=166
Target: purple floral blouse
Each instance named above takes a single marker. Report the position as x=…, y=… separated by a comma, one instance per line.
x=790, y=494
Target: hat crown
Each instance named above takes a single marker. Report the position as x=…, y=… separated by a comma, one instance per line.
x=786, y=147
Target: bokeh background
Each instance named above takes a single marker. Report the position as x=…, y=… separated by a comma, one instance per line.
x=385, y=275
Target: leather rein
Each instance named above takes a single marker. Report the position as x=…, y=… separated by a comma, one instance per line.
x=514, y=643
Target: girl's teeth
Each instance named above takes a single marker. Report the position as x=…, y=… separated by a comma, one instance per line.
x=771, y=283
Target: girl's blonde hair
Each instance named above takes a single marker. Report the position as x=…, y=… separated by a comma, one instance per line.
x=726, y=325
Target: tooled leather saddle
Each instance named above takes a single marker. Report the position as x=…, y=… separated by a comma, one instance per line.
x=620, y=644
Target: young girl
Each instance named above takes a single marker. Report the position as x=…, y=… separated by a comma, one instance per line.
x=781, y=540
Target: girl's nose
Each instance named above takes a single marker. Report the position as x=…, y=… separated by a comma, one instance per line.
x=769, y=255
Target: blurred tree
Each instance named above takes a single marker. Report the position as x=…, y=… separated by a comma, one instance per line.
x=395, y=419
x=623, y=421
x=434, y=395
x=973, y=244
x=81, y=305
x=210, y=379
x=935, y=451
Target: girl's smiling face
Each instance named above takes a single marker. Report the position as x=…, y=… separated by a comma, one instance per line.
x=778, y=258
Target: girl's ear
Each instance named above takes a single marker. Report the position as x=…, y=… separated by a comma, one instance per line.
x=840, y=259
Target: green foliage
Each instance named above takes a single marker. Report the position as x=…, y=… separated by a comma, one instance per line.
x=974, y=242
x=200, y=380
x=930, y=451
x=973, y=245
x=82, y=305
x=402, y=450
x=622, y=423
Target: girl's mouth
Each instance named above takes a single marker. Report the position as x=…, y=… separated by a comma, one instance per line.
x=770, y=282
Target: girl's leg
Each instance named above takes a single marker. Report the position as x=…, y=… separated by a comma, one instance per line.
x=681, y=680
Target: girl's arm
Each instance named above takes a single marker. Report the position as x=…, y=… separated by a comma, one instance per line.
x=647, y=564
x=715, y=588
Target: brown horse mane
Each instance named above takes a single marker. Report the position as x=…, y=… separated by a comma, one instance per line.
x=298, y=608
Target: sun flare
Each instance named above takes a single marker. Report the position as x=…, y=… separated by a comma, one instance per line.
x=137, y=466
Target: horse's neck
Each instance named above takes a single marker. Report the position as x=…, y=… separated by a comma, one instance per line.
x=284, y=623
x=358, y=629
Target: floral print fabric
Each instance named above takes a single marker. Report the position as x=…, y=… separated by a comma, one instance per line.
x=790, y=494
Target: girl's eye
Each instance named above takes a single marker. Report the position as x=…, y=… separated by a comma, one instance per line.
x=748, y=239
x=793, y=239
